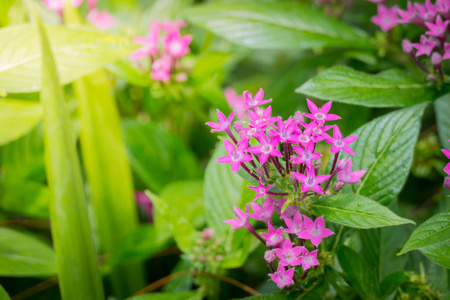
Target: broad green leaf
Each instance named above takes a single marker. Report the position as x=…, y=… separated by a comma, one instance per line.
x=3, y=294
x=124, y=70
x=391, y=88
x=108, y=173
x=385, y=148
x=442, y=107
x=165, y=296
x=71, y=232
x=275, y=25
x=158, y=157
x=17, y=117
x=356, y=211
x=439, y=253
x=77, y=51
x=435, y=230
x=22, y=255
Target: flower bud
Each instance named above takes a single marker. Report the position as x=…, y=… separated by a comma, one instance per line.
x=342, y=163
x=298, y=118
x=407, y=46
x=181, y=77
x=317, y=166
x=338, y=186
x=270, y=255
x=208, y=233
x=436, y=59
x=447, y=183
x=431, y=77
x=238, y=127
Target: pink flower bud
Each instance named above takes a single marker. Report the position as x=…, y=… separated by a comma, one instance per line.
x=436, y=59
x=298, y=118
x=181, y=77
x=447, y=183
x=270, y=255
x=208, y=233
x=407, y=46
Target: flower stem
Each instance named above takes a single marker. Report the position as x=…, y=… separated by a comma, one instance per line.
x=286, y=157
x=231, y=135
x=248, y=171
x=332, y=172
x=277, y=164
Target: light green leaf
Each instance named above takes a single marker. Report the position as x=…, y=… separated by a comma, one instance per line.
x=77, y=51
x=3, y=294
x=439, y=253
x=385, y=148
x=23, y=255
x=275, y=25
x=165, y=296
x=109, y=174
x=123, y=69
x=17, y=117
x=391, y=88
x=356, y=211
x=442, y=107
x=435, y=230
x=71, y=232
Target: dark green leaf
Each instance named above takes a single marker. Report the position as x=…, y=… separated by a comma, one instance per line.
x=23, y=255
x=442, y=107
x=391, y=88
x=275, y=25
x=356, y=211
x=3, y=294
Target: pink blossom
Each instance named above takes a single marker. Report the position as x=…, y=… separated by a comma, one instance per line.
x=92, y=4
x=237, y=154
x=273, y=237
x=241, y=221
x=289, y=255
x=317, y=130
x=296, y=225
x=443, y=7
x=309, y=260
x=161, y=68
x=260, y=118
x=208, y=233
x=149, y=43
x=283, y=277
x=173, y=26
x=145, y=204
x=437, y=29
x=320, y=115
x=260, y=190
x=386, y=17
x=266, y=149
x=176, y=45
x=310, y=181
x=236, y=102
x=285, y=131
x=305, y=137
x=447, y=167
x=347, y=176
x=253, y=102
x=315, y=231
x=425, y=47
x=263, y=213
x=306, y=155
x=101, y=19
x=426, y=12
x=224, y=123
x=446, y=51
x=58, y=5
x=288, y=212
x=409, y=15
x=339, y=143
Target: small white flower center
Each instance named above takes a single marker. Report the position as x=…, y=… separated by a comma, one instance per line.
x=317, y=130
x=296, y=228
x=315, y=232
x=310, y=181
x=274, y=239
x=224, y=125
x=307, y=260
x=284, y=134
x=251, y=131
x=261, y=191
x=307, y=155
x=339, y=143
x=236, y=155
x=288, y=256
x=176, y=47
x=267, y=148
x=304, y=138
x=319, y=116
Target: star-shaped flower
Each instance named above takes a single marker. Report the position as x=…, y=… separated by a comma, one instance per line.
x=289, y=255
x=437, y=29
x=309, y=260
x=253, y=102
x=263, y=213
x=320, y=115
x=310, y=181
x=306, y=155
x=236, y=155
x=425, y=47
x=274, y=237
x=283, y=277
x=294, y=226
x=224, y=122
x=315, y=231
x=266, y=149
x=339, y=143
x=241, y=221
x=347, y=176
x=260, y=190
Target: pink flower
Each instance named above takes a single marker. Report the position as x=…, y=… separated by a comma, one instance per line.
x=241, y=221
x=260, y=190
x=253, y=102
x=149, y=43
x=339, y=143
x=288, y=212
x=446, y=51
x=283, y=277
x=173, y=26
x=236, y=102
x=317, y=130
x=266, y=148
x=161, y=68
x=425, y=47
x=58, y=5
x=409, y=15
x=309, y=260
x=437, y=29
x=320, y=115
x=145, y=204
x=306, y=155
x=273, y=237
x=208, y=233
x=310, y=181
x=289, y=255
x=224, y=123
x=447, y=167
x=237, y=154
x=101, y=19
x=347, y=176
x=176, y=45
x=285, y=131
x=263, y=213
x=295, y=226
x=386, y=17
x=443, y=7
x=426, y=12
x=315, y=231
x=261, y=118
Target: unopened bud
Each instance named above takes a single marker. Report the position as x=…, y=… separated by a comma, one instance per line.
x=447, y=183
x=338, y=186
x=342, y=163
x=436, y=59
x=298, y=118
x=431, y=77
x=317, y=166
x=407, y=46
x=269, y=255
x=181, y=77
x=238, y=127
x=208, y=233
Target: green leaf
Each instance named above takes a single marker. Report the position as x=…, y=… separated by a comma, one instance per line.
x=391, y=88
x=439, y=253
x=71, y=232
x=356, y=211
x=23, y=255
x=108, y=172
x=442, y=107
x=158, y=157
x=3, y=294
x=274, y=25
x=385, y=148
x=165, y=296
x=17, y=117
x=77, y=51
x=392, y=281
x=124, y=70
x=435, y=230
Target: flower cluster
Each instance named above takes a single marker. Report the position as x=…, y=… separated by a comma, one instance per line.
x=447, y=169
x=281, y=156
x=433, y=18
x=208, y=253
x=165, y=46
x=100, y=19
